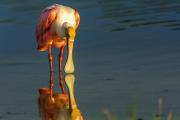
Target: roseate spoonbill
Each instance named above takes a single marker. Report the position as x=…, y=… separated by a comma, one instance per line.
x=57, y=27
x=61, y=106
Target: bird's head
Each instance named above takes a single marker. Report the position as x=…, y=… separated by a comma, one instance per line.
x=70, y=35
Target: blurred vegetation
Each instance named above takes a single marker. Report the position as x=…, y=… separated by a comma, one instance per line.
x=159, y=115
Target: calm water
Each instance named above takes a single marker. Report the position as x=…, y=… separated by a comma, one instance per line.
x=125, y=50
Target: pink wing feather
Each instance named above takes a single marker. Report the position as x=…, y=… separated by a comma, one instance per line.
x=43, y=33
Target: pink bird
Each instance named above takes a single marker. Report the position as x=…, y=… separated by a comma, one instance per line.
x=57, y=27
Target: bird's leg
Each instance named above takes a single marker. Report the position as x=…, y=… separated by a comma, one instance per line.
x=51, y=70
x=61, y=81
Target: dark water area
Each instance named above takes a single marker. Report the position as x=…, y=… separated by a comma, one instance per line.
x=125, y=51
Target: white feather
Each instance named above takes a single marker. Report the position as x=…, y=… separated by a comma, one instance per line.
x=65, y=18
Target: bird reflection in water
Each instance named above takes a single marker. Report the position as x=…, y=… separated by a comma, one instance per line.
x=60, y=106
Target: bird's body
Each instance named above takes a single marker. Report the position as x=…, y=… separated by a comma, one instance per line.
x=51, y=28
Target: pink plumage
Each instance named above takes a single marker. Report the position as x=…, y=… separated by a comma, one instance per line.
x=45, y=31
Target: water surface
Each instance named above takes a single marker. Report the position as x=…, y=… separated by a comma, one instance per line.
x=124, y=51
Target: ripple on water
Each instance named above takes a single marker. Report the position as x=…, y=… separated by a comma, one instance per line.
x=140, y=13
x=121, y=15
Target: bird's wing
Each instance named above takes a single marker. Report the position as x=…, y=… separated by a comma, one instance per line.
x=43, y=27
